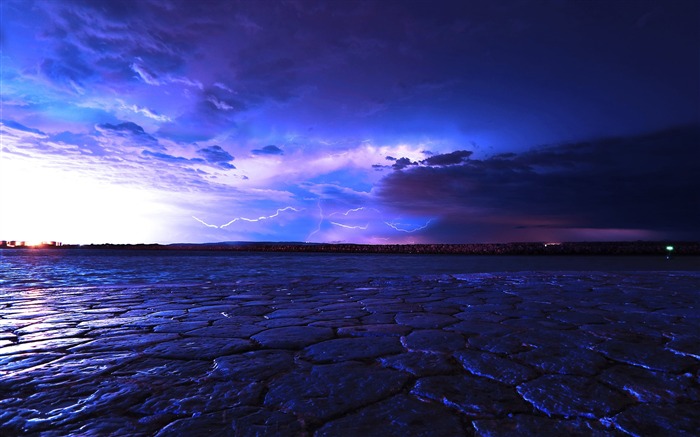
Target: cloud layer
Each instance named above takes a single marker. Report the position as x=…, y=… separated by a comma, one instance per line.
x=363, y=121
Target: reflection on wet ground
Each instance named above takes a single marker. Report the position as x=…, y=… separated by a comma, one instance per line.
x=485, y=354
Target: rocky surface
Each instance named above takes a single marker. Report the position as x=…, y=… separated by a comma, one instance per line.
x=483, y=354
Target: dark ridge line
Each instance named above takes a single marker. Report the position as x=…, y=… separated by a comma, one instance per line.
x=527, y=248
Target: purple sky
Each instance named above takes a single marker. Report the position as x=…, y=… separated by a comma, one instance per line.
x=370, y=122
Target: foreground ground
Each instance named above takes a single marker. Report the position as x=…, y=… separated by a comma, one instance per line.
x=497, y=354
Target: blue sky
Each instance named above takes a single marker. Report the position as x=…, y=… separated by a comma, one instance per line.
x=355, y=121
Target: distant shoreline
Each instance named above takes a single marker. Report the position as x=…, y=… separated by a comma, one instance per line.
x=566, y=248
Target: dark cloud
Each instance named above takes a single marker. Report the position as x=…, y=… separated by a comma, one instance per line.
x=640, y=182
x=118, y=47
x=123, y=128
x=340, y=194
x=18, y=126
x=129, y=134
x=402, y=163
x=69, y=69
x=286, y=53
x=170, y=158
x=217, y=156
x=213, y=155
x=268, y=150
x=507, y=155
x=452, y=158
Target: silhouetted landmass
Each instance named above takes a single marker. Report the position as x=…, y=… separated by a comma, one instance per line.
x=573, y=248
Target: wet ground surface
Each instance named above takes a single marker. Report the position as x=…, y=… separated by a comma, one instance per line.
x=482, y=354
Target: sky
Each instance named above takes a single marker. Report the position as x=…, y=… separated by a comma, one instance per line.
x=384, y=121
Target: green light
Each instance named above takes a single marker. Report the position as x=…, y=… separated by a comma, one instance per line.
x=669, y=248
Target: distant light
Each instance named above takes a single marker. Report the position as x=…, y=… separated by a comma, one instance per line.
x=669, y=248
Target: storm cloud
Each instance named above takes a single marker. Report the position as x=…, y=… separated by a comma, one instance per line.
x=452, y=158
x=638, y=182
x=217, y=156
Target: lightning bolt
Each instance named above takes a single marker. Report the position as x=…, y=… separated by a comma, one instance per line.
x=250, y=220
x=408, y=231
x=205, y=223
x=262, y=217
x=350, y=227
x=395, y=226
x=320, y=220
x=362, y=208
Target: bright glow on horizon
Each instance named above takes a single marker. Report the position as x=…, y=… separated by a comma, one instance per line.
x=45, y=204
